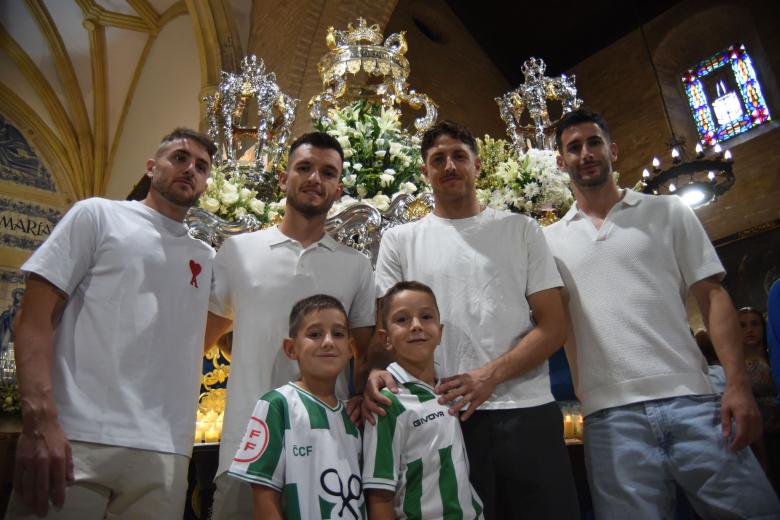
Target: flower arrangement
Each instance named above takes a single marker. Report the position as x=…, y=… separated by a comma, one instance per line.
x=230, y=197
x=528, y=183
x=380, y=159
x=10, y=401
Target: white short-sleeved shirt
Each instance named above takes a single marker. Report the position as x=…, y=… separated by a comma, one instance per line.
x=417, y=452
x=482, y=269
x=627, y=284
x=298, y=445
x=128, y=349
x=258, y=277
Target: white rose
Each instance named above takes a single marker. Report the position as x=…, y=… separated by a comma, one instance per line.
x=386, y=180
x=257, y=206
x=408, y=187
x=381, y=201
x=245, y=194
x=210, y=204
x=229, y=197
x=240, y=212
x=343, y=141
x=229, y=187
x=348, y=152
x=357, y=167
x=380, y=142
x=389, y=171
x=380, y=153
x=272, y=215
x=362, y=191
x=349, y=180
x=347, y=164
x=395, y=149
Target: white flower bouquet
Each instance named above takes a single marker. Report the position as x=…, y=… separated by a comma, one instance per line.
x=380, y=159
x=230, y=198
x=528, y=183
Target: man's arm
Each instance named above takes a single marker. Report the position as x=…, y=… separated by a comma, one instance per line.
x=216, y=327
x=540, y=343
x=570, y=344
x=266, y=503
x=737, y=402
x=43, y=458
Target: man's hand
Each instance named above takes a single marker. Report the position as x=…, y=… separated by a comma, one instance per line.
x=372, y=395
x=354, y=407
x=738, y=404
x=473, y=388
x=44, y=466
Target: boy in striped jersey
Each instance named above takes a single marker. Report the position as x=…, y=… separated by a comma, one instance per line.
x=301, y=452
x=416, y=464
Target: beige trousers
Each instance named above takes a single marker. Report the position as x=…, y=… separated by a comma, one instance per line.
x=119, y=483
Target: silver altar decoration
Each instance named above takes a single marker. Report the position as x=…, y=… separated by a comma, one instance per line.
x=359, y=66
x=7, y=364
x=231, y=120
x=533, y=96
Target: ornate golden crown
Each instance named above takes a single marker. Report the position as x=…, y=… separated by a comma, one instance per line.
x=359, y=66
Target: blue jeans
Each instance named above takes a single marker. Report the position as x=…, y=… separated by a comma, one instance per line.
x=634, y=454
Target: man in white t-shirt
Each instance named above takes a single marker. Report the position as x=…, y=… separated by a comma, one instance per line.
x=489, y=270
x=257, y=279
x=652, y=417
x=109, y=342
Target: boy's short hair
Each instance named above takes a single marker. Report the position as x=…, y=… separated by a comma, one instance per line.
x=576, y=117
x=317, y=140
x=308, y=305
x=192, y=135
x=409, y=285
x=450, y=128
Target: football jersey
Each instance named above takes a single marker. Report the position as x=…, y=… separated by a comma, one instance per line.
x=417, y=452
x=310, y=452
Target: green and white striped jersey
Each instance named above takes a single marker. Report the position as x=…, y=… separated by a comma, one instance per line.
x=417, y=452
x=310, y=452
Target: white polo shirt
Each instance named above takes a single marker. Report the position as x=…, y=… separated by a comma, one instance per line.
x=482, y=269
x=627, y=284
x=258, y=277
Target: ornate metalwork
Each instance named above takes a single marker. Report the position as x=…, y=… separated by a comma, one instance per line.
x=533, y=96
x=360, y=66
x=231, y=121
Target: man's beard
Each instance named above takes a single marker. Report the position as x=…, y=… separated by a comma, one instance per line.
x=173, y=197
x=600, y=179
x=309, y=210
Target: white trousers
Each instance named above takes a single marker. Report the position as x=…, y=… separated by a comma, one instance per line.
x=119, y=483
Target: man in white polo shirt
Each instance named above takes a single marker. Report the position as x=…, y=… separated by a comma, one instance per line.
x=257, y=279
x=109, y=350
x=652, y=418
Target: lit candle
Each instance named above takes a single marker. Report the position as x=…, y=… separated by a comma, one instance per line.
x=699, y=151
x=568, y=427
x=672, y=188
x=675, y=155
x=212, y=435
x=656, y=164
x=645, y=173
x=727, y=155
x=580, y=426
x=716, y=148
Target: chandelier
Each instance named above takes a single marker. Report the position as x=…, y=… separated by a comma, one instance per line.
x=698, y=181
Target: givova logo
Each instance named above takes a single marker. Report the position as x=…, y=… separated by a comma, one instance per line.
x=430, y=417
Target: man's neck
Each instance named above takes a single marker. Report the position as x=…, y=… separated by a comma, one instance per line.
x=306, y=230
x=456, y=209
x=165, y=207
x=596, y=201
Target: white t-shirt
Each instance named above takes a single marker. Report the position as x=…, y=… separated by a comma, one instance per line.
x=128, y=350
x=481, y=269
x=417, y=452
x=627, y=285
x=298, y=445
x=258, y=277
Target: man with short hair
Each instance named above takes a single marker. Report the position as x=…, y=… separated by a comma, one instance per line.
x=109, y=342
x=257, y=279
x=489, y=269
x=652, y=418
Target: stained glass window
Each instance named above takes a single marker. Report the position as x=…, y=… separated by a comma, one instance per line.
x=729, y=79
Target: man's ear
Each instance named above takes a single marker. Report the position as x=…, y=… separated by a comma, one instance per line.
x=283, y=180
x=288, y=345
x=149, y=166
x=613, y=151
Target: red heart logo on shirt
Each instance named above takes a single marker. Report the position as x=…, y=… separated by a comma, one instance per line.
x=196, y=269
